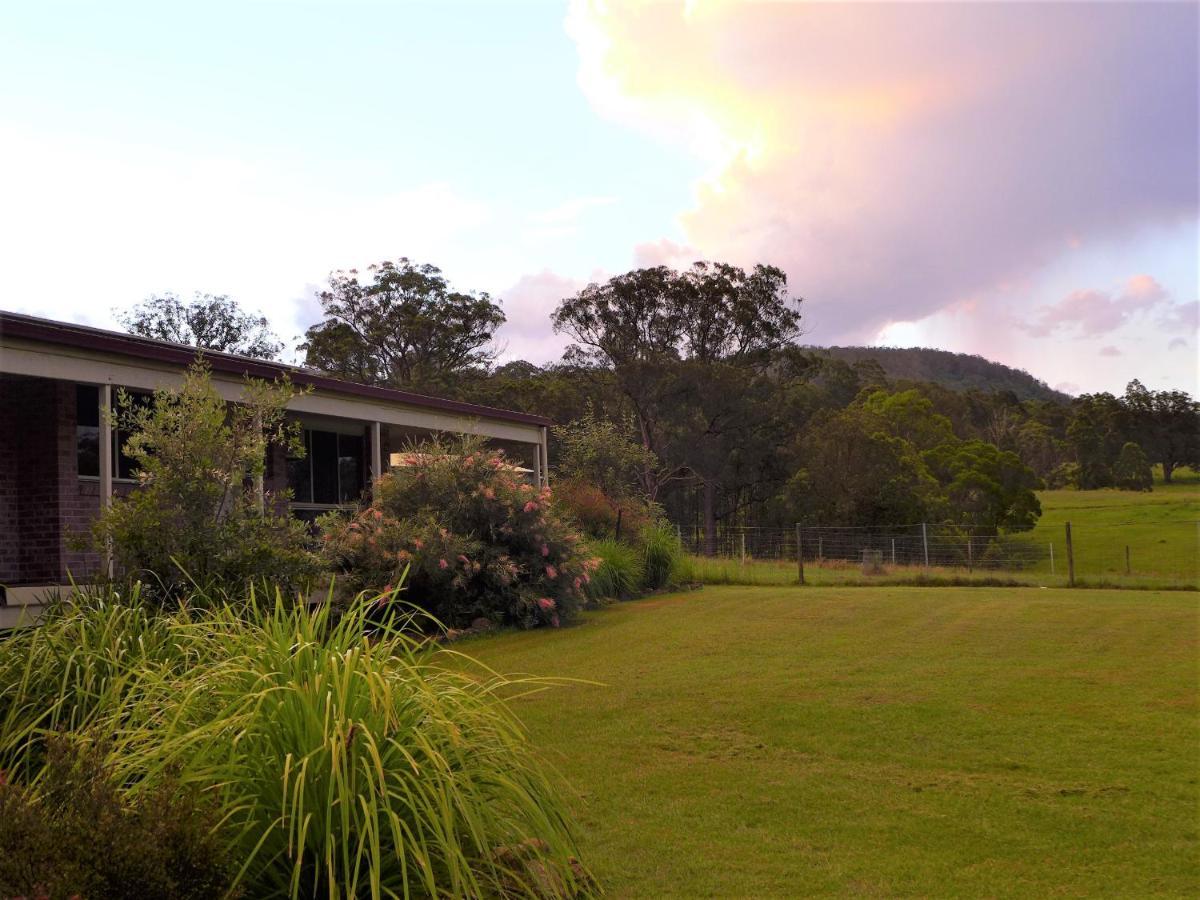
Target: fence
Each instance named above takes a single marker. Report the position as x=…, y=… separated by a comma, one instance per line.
x=1166, y=553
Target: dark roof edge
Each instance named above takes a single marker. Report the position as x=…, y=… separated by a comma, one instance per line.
x=138, y=347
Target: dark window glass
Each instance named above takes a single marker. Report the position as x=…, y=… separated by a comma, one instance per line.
x=299, y=474
x=87, y=429
x=350, y=454
x=324, y=453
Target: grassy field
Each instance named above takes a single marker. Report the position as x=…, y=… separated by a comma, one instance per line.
x=760, y=742
x=1160, y=528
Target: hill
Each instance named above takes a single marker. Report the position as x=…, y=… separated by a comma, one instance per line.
x=957, y=371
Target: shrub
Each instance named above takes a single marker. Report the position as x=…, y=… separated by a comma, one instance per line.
x=342, y=765
x=619, y=574
x=79, y=835
x=195, y=518
x=474, y=539
x=661, y=553
x=595, y=513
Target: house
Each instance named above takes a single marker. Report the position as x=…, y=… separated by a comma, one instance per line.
x=60, y=460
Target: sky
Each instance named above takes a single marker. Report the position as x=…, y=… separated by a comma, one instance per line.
x=1015, y=180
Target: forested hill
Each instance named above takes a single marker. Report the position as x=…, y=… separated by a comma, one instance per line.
x=957, y=371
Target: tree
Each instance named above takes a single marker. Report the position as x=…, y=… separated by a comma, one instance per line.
x=678, y=345
x=1167, y=425
x=206, y=321
x=907, y=415
x=1132, y=470
x=195, y=518
x=855, y=476
x=599, y=452
x=401, y=326
x=986, y=489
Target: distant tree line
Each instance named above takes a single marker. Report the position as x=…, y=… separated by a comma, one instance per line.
x=728, y=419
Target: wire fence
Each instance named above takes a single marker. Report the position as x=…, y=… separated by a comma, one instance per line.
x=1151, y=553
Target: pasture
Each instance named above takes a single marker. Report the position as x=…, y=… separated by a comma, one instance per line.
x=759, y=742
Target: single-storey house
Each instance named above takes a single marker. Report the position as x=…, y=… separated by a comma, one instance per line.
x=60, y=460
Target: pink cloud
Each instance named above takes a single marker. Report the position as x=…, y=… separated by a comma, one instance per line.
x=895, y=158
x=1096, y=313
x=1110, y=350
x=527, y=306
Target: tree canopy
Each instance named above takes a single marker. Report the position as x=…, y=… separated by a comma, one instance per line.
x=401, y=325
x=207, y=321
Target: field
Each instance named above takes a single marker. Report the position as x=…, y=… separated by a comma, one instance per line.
x=757, y=742
x=1160, y=529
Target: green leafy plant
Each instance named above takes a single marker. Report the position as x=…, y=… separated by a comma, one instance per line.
x=195, y=517
x=661, y=553
x=341, y=764
x=619, y=573
x=77, y=834
x=475, y=539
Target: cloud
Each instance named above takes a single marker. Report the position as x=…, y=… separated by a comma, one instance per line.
x=527, y=333
x=1097, y=313
x=664, y=253
x=1177, y=344
x=1067, y=387
x=897, y=158
x=1181, y=317
x=1110, y=350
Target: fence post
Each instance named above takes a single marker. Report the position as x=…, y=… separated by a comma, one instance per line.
x=799, y=554
x=893, y=551
x=821, y=548
x=925, y=543
x=1127, y=572
x=1070, y=559
x=970, y=556
x=1052, y=559
x=743, y=548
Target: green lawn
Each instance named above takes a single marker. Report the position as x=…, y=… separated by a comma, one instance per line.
x=756, y=742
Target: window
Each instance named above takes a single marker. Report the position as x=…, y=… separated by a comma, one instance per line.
x=87, y=433
x=331, y=472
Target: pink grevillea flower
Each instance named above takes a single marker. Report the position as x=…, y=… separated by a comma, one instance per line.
x=418, y=543
x=531, y=507
x=403, y=556
x=463, y=559
x=494, y=462
x=551, y=572
x=546, y=603
x=442, y=564
x=545, y=550
x=587, y=579
x=489, y=494
x=578, y=583
x=554, y=620
x=378, y=515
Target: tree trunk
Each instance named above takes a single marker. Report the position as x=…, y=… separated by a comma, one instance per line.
x=1168, y=468
x=710, y=518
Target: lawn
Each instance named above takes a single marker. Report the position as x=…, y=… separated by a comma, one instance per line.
x=755, y=742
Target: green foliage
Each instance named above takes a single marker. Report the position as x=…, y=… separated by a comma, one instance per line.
x=907, y=415
x=341, y=764
x=855, y=475
x=596, y=513
x=620, y=572
x=986, y=489
x=404, y=327
x=1131, y=472
x=78, y=834
x=206, y=321
x=598, y=452
x=195, y=517
x=475, y=539
x=661, y=553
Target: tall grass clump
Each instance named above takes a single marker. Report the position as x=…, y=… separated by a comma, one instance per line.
x=661, y=553
x=619, y=573
x=344, y=761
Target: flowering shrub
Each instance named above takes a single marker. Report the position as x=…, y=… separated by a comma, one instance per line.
x=595, y=513
x=476, y=540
